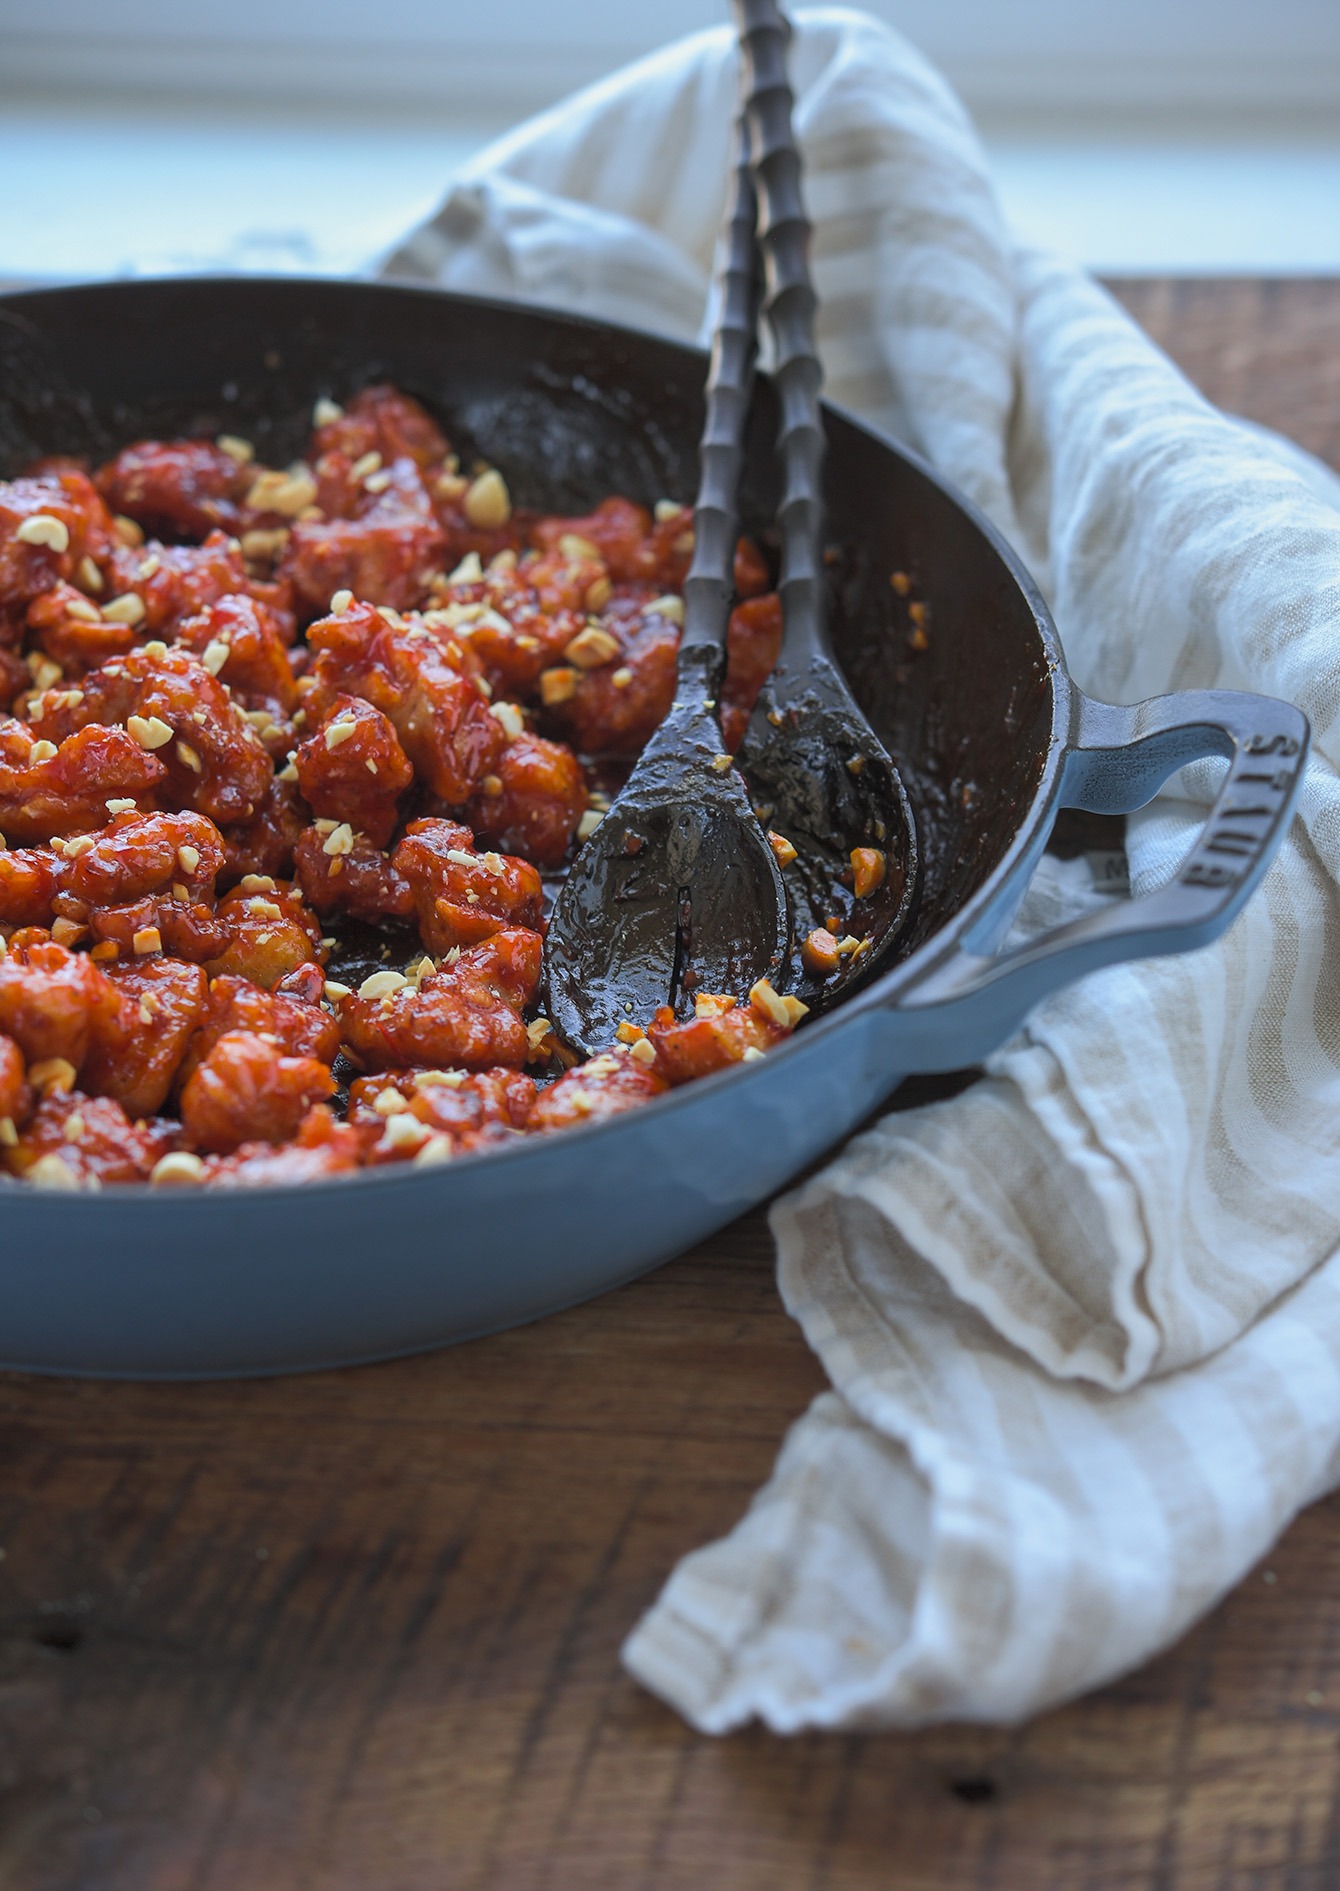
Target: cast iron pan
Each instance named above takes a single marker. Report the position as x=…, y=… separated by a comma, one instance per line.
x=991, y=735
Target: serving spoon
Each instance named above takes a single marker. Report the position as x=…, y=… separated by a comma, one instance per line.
x=821, y=778
x=681, y=889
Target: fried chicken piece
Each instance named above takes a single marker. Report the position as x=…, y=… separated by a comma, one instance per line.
x=73, y=1141
x=382, y=420
x=30, y=879
x=245, y=1090
x=135, y=855
x=466, y=1014
x=269, y=930
x=136, y=1059
x=612, y=710
x=176, y=488
x=181, y=716
x=67, y=627
x=422, y=685
x=385, y=555
x=532, y=802
x=360, y=882
x=54, y=1002
x=460, y=896
x=145, y=882
x=434, y=1115
x=246, y=649
x=176, y=582
x=722, y=1033
x=68, y=792
x=321, y=1148
x=353, y=769
x=49, y=523
x=296, y=1024
x=753, y=644
x=606, y=1086
x=16, y=1097
x=633, y=546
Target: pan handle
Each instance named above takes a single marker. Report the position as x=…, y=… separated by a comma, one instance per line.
x=1118, y=760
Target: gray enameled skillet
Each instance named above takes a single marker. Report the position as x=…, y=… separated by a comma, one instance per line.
x=993, y=738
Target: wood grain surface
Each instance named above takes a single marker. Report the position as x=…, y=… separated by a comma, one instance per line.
x=359, y=1631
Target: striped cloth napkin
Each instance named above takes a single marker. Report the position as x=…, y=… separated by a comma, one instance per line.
x=1082, y=1322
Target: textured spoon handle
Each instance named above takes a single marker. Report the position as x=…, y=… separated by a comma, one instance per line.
x=710, y=585
x=790, y=305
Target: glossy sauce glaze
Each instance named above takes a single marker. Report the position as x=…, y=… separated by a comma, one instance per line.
x=291, y=758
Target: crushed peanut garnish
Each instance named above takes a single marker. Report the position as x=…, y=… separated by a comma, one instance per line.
x=44, y=529
x=148, y=939
x=487, y=503
x=404, y=1132
x=557, y=686
x=785, y=1013
x=126, y=609
x=782, y=848
x=179, y=1170
x=510, y=717
x=286, y=493
x=151, y=732
x=591, y=648
x=381, y=984
x=52, y=1076
x=340, y=731
x=51, y=1171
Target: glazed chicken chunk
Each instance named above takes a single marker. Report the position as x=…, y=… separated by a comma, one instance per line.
x=289, y=758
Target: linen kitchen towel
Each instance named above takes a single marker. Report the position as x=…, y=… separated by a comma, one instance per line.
x=1082, y=1321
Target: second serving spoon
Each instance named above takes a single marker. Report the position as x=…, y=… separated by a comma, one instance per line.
x=680, y=889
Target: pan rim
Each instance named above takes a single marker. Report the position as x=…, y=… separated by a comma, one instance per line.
x=880, y=995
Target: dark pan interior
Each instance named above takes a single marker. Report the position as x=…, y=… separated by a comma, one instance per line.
x=571, y=412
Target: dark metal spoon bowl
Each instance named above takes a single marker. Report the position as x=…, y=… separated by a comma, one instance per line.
x=820, y=775
x=680, y=889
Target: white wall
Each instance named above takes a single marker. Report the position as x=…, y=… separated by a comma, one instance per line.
x=1073, y=56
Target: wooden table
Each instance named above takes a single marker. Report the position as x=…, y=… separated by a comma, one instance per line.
x=359, y=1631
